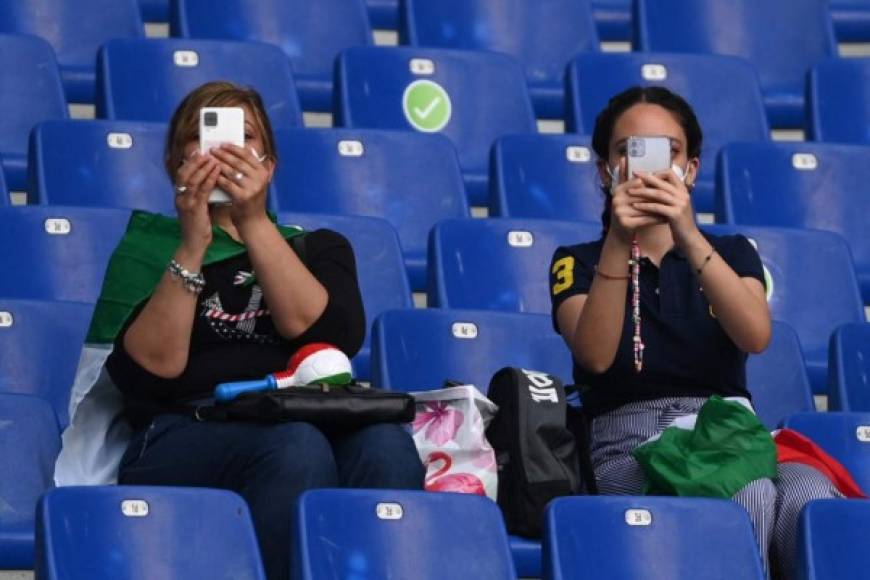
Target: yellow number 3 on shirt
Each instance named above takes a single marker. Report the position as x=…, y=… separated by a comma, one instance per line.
x=563, y=269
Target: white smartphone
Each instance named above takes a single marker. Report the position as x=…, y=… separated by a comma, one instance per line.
x=219, y=125
x=649, y=154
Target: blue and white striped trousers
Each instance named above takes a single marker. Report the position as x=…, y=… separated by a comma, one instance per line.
x=773, y=505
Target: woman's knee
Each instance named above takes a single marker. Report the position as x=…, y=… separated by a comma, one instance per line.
x=381, y=455
x=297, y=451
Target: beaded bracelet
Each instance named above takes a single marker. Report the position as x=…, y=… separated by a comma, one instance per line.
x=192, y=282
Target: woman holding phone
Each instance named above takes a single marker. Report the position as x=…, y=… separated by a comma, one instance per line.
x=233, y=302
x=659, y=316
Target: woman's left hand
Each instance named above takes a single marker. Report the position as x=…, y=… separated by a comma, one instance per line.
x=245, y=179
x=665, y=195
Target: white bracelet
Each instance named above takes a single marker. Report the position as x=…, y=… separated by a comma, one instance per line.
x=193, y=282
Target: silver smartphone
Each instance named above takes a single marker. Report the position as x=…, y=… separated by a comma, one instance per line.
x=219, y=125
x=648, y=154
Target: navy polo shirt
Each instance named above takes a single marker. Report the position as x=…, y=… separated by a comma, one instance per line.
x=686, y=354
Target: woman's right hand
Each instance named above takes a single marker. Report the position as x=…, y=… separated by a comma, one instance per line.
x=194, y=182
x=625, y=218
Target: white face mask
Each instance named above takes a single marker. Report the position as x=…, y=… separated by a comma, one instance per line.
x=614, y=174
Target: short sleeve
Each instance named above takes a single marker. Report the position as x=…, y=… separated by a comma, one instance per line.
x=570, y=274
x=743, y=258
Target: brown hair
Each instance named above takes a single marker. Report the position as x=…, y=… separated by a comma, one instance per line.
x=185, y=121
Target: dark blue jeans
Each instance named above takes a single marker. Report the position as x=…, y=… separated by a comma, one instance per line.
x=270, y=465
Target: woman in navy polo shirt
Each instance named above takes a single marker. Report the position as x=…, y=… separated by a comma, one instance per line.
x=659, y=316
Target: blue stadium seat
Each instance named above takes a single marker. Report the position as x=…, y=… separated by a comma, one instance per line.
x=831, y=540
x=384, y=14
x=29, y=445
x=472, y=97
x=383, y=279
x=4, y=191
x=75, y=30
x=545, y=177
x=648, y=538
x=310, y=33
x=613, y=18
x=154, y=10
x=498, y=263
x=543, y=35
x=849, y=368
x=843, y=435
x=796, y=262
x=799, y=185
x=418, y=349
x=100, y=164
x=412, y=180
x=705, y=81
x=40, y=344
x=58, y=253
x=782, y=38
x=30, y=92
x=172, y=533
x=839, y=101
x=171, y=68
x=851, y=20
x=777, y=378
x=359, y=533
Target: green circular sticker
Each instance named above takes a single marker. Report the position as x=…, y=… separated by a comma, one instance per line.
x=426, y=106
x=768, y=281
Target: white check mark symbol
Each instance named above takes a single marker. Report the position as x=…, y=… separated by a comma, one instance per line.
x=428, y=110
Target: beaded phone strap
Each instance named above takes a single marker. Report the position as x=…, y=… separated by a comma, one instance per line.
x=634, y=262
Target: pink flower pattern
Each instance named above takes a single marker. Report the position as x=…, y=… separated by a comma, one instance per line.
x=441, y=423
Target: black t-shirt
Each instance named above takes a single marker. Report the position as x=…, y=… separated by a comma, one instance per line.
x=687, y=353
x=233, y=336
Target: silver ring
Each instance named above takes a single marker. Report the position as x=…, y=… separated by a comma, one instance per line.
x=238, y=176
x=179, y=189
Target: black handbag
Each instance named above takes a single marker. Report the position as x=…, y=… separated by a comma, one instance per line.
x=329, y=407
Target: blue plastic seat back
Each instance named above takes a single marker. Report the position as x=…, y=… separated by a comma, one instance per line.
x=545, y=177
x=705, y=81
x=311, y=34
x=383, y=280
x=154, y=10
x=4, y=191
x=800, y=185
x=648, y=537
x=383, y=14
x=782, y=53
x=412, y=180
x=849, y=368
x=30, y=92
x=354, y=533
x=100, y=164
x=830, y=540
x=57, y=253
x=543, y=35
x=75, y=30
x=40, y=344
x=851, y=20
x=613, y=19
x=176, y=533
x=419, y=349
x=498, y=263
x=29, y=444
x=839, y=101
x=843, y=435
x=471, y=97
x=172, y=68
x=777, y=378
x=795, y=262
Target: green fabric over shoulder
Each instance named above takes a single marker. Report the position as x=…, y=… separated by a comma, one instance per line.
x=140, y=260
x=728, y=448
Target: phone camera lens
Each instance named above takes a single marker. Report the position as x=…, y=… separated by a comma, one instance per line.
x=211, y=119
